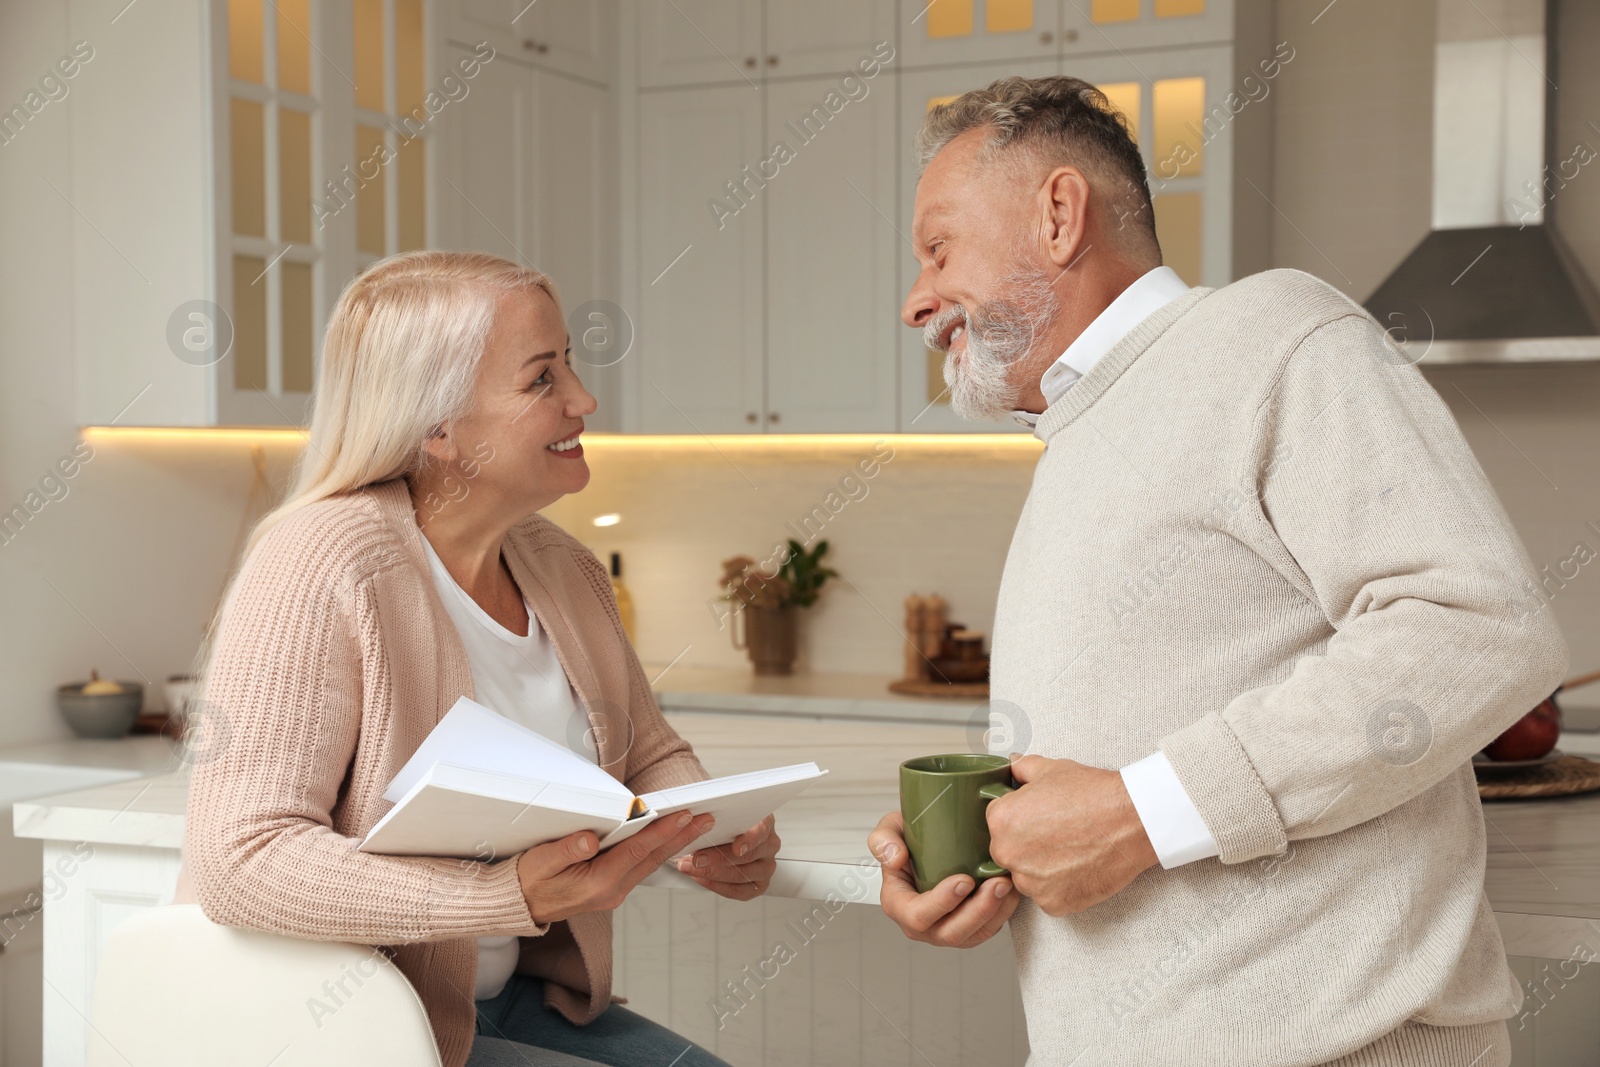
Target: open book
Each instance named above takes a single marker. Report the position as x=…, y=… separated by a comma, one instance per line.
x=482, y=787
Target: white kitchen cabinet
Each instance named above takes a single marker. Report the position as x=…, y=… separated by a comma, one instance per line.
x=832, y=301
x=685, y=42
x=108, y=883
x=577, y=232
x=577, y=37
x=573, y=37
x=529, y=173
x=765, y=238
x=700, y=365
x=141, y=234
x=766, y=257
x=824, y=36
x=484, y=202
x=575, y=190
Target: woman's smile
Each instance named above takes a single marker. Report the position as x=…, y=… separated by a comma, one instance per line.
x=568, y=447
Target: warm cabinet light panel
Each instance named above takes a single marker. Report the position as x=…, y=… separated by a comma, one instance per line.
x=955, y=18
x=624, y=442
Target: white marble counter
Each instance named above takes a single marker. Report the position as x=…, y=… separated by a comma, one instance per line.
x=146, y=812
x=824, y=830
x=846, y=696
x=145, y=754
x=49, y=768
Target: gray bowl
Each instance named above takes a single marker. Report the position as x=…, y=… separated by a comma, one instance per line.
x=102, y=715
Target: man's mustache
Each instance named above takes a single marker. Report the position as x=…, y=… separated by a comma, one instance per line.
x=933, y=333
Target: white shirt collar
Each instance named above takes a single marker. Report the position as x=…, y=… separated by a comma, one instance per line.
x=1150, y=292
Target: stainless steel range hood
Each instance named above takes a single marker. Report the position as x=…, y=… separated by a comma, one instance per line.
x=1494, y=281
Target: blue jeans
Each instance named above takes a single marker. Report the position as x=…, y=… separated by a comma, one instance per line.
x=515, y=1029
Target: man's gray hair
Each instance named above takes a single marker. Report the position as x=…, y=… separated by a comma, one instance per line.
x=1058, y=120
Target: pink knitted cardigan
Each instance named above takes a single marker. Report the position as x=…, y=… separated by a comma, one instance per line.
x=334, y=659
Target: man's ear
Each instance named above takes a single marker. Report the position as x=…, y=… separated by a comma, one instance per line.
x=1065, y=199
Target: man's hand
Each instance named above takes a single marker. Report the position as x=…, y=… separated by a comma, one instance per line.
x=742, y=868
x=1070, y=836
x=950, y=914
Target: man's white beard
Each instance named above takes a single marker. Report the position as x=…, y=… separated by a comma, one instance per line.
x=999, y=335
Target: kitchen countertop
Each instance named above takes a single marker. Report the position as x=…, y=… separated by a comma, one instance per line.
x=144, y=753
x=48, y=768
x=867, y=696
x=1542, y=878
x=850, y=696
x=824, y=830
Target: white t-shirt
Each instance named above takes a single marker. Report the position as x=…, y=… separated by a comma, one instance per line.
x=522, y=679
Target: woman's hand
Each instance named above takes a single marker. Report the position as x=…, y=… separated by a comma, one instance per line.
x=742, y=868
x=564, y=878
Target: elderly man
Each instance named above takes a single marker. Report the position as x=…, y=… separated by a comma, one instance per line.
x=1260, y=609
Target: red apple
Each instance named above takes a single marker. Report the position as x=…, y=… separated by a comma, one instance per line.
x=1531, y=736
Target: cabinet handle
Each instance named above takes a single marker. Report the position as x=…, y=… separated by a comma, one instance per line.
x=1070, y=36
x=1046, y=37
x=772, y=416
x=750, y=416
x=749, y=62
x=772, y=61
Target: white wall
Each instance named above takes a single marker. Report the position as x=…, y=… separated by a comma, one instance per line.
x=120, y=573
x=1352, y=167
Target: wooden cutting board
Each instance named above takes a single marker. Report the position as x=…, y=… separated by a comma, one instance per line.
x=917, y=687
x=1561, y=777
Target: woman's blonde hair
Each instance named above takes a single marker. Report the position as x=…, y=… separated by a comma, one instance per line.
x=399, y=358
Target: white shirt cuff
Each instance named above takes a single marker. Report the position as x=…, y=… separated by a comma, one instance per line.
x=1170, y=818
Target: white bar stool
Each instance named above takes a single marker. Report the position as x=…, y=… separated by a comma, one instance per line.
x=176, y=989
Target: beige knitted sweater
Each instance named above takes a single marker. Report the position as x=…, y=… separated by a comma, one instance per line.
x=1257, y=541
x=334, y=659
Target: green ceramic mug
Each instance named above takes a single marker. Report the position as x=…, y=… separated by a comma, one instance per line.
x=943, y=802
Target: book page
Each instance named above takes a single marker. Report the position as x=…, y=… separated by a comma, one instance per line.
x=738, y=801
x=471, y=735
x=473, y=814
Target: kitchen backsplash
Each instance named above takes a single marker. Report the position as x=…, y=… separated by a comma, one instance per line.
x=899, y=515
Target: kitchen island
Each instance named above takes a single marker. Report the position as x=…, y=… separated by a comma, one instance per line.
x=798, y=976
x=846, y=989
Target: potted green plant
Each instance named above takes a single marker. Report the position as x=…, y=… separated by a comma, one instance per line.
x=766, y=611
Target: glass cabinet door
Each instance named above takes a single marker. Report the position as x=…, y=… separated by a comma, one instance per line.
x=1093, y=26
x=323, y=128
x=274, y=252
x=941, y=32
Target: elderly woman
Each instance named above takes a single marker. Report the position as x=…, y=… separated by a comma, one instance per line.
x=408, y=567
